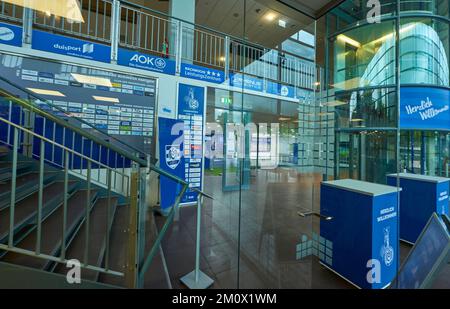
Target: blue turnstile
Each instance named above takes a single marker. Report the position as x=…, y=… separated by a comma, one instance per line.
x=362, y=231
x=420, y=198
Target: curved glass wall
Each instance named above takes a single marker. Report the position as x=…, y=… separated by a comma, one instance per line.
x=361, y=87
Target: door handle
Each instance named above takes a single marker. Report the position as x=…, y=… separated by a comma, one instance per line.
x=316, y=214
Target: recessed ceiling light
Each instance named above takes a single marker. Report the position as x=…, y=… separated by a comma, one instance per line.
x=106, y=99
x=85, y=79
x=270, y=16
x=282, y=23
x=46, y=92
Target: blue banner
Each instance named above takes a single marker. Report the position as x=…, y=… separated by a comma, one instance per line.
x=191, y=107
x=246, y=82
x=201, y=73
x=424, y=108
x=138, y=60
x=70, y=47
x=171, y=149
x=281, y=90
x=10, y=35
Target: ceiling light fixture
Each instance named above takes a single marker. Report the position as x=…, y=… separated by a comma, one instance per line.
x=85, y=79
x=46, y=92
x=69, y=9
x=106, y=99
x=282, y=23
x=270, y=16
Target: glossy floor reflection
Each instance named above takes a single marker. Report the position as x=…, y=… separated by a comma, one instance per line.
x=268, y=233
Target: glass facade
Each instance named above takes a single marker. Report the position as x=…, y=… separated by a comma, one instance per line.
x=296, y=102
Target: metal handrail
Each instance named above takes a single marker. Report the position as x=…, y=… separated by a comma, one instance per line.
x=216, y=32
x=70, y=126
x=64, y=148
x=38, y=254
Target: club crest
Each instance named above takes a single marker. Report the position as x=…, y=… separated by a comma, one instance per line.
x=173, y=156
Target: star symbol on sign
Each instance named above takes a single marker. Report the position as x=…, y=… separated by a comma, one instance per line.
x=209, y=73
x=213, y=74
x=218, y=74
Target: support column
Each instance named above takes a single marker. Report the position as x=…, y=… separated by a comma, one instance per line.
x=184, y=10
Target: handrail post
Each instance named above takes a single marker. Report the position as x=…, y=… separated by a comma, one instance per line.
x=227, y=57
x=131, y=267
x=115, y=30
x=197, y=279
x=179, y=50
x=27, y=27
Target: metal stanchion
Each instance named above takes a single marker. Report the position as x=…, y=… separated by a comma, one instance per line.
x=197, y=279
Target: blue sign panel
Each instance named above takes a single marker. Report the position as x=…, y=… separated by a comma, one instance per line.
x=200, y=73
x=70, y=47
x=246, y=82
x=421, y=196
x=191, y=107
x=138, y=60
x=364, y=252
x=424, y=108
x=281, y=90
x=171, y=138
x=10, y=35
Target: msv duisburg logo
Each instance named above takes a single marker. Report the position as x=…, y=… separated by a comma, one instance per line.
x=173, y=156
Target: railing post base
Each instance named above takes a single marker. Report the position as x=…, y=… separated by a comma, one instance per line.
x=197, y=279
x=203, y=281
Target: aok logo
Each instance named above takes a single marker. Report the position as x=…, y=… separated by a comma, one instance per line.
x=284, y=91
x=142, y=59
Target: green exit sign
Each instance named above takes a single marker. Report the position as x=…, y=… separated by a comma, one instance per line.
x=226, y=100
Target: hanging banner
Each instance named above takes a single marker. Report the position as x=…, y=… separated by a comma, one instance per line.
x=201, y=73
x=171, y=149
x=191, y=108
x=425, y=108
x=64, y=45
x=138, y=60
x=10, y=35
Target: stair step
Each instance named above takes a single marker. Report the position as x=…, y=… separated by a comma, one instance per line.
x=51, y=232
x=118, y=247
x=6, y=173
x=26, y=185
x=26, y=210
x=97, y=239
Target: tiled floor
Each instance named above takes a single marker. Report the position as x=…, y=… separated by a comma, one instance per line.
x=266, y=226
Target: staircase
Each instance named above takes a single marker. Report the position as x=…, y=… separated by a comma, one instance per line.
x=107, y=221
x=70, y=193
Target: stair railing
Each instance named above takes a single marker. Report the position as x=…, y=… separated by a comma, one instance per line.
x=119, y=172
x=69, y=156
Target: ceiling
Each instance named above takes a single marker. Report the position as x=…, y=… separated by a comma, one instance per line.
x=313, y=8
x=227, y=16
